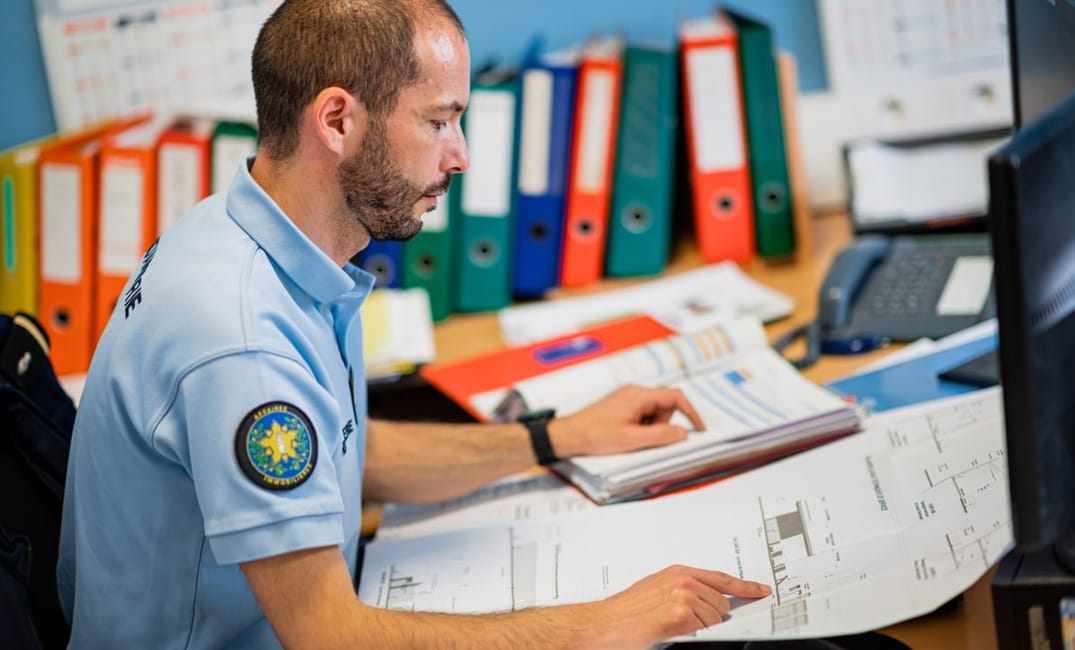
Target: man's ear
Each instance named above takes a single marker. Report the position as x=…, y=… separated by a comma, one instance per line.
x=338, y=119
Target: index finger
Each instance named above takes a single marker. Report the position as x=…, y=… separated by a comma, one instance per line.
x=681, y=403
x=732, y=586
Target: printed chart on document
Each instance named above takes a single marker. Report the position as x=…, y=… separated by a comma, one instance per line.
x=876, y=528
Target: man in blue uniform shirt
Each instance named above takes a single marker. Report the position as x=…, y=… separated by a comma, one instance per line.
x=221, y=451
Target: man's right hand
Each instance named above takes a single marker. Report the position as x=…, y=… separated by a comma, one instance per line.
x=677, y=600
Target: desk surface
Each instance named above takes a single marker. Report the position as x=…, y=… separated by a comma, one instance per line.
x=968, y=623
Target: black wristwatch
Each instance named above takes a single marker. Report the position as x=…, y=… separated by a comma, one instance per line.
x=537, y=423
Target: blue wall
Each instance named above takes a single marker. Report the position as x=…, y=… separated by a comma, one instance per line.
x=27, y=111
x=495, y=29
x=502, y=29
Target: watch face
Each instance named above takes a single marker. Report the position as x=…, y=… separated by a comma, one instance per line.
x=511, y=408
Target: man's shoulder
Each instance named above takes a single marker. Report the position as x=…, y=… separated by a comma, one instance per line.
x=205, y=287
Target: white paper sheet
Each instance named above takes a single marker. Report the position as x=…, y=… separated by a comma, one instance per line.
x=686, y=302
x=856, y=535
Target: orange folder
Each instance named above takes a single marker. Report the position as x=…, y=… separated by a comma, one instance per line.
x=597, y=113
x=462, y=380
x=67, y=245
x=183, y=166
x=716, y=139
x=127, y=212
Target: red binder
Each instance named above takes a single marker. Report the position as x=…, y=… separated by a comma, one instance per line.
x=128, y=209
x=716, y=141
x=183, y=166
x=462, y=380
x=597, y=113
x=67, y=246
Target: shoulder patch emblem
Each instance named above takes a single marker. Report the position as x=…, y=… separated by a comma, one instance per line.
x=276, y=446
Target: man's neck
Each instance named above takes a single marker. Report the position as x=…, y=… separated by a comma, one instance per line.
x=309, y=198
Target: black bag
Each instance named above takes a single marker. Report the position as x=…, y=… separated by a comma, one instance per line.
x=36, y=416
x=15, y=618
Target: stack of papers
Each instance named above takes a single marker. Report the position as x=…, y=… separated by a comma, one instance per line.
x=685, y=302
x=754, y=404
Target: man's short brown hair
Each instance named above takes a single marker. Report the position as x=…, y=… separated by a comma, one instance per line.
x=365, y=47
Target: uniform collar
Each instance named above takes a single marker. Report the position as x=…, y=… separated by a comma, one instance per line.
x=289, y=248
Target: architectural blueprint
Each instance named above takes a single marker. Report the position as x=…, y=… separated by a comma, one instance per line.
x=876, y=528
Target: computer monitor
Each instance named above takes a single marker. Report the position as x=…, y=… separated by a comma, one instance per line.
x=1032, y=225
x=1032, y=221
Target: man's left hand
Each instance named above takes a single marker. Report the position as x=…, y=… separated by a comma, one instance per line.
x=629, y=418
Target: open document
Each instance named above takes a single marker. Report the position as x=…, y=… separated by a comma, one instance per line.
x=754, y=404
x=868, y=531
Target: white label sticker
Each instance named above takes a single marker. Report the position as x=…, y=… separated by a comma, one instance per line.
x=228, y=151
x=61, y=223
x=490, y=129
x=967, y=288
x=714, y=102
x=591, y=173
x=536, y=127
x=121, y=218
x=180, y=185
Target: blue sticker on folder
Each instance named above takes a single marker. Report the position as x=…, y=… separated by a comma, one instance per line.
x=572, y=349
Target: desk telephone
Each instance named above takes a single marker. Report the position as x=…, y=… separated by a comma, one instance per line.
x=904, y=287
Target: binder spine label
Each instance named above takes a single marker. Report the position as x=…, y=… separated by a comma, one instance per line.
x=718, y=132
x=228, y=151
x=592, y=172
x=180, y=186
x=121, y=218
x=536, y=131
x=490, y=129
x=61, y=223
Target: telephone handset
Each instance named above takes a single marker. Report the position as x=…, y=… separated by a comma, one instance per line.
x=844, y=281
x=831, y=332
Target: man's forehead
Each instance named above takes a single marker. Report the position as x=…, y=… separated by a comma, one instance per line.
x=445, y=59
x=444, y=48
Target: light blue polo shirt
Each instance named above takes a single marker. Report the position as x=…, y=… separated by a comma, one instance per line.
x=223, y=420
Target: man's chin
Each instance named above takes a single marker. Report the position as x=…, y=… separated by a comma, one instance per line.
x=402, y=231
x=408, y=229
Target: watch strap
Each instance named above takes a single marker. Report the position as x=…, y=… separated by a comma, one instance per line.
x=537, y=424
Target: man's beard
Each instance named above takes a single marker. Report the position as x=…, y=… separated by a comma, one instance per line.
x=377, y=194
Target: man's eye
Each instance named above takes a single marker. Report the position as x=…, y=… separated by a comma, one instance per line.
x=439, y=124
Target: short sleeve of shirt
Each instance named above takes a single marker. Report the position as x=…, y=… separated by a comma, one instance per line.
x=219, y=414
